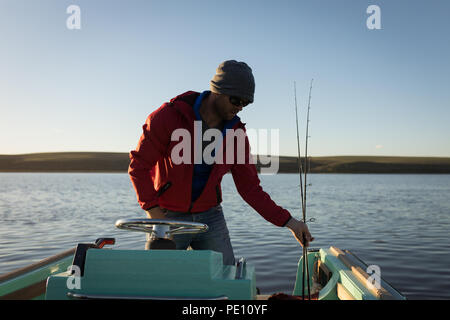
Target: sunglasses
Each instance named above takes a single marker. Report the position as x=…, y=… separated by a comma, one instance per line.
x=238, y=102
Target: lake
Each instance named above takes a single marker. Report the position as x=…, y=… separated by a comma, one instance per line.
x=399, y=222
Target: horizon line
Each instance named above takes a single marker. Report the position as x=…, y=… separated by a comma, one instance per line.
x=287, y=156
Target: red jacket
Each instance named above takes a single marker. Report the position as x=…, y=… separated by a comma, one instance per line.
x=158, y=181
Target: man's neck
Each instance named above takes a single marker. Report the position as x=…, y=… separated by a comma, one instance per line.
x=209, y=115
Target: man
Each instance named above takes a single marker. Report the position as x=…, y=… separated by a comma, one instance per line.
x=189, y=190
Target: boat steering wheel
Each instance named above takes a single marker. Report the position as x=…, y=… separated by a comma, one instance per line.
x=161, y=228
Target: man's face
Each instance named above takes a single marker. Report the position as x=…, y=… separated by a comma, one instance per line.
x=226, y=109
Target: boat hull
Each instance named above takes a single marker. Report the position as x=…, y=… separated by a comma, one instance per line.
x=30, y=283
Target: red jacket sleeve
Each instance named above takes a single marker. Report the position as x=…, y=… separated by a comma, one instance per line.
x=245, y=177
x=152, y=146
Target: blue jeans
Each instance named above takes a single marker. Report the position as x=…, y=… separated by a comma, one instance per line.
x=217, y=238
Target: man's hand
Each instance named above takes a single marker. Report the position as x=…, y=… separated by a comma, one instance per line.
x=156, y=213
x=300, y=231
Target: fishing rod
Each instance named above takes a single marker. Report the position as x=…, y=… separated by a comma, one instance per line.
x=306, y=148
x=300, y=170
x=303, y=194
x=306, y=171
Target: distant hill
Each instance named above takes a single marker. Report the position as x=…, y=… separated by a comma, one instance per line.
x=65, y=162
x=118, y=162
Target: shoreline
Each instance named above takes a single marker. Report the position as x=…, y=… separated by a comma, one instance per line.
x=110, y=162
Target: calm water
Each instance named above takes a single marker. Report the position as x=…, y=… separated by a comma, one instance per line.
x=399, y=222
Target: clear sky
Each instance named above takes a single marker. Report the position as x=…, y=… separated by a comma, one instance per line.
x=376, y=92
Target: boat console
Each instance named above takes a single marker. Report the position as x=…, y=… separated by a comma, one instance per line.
x=153, y=274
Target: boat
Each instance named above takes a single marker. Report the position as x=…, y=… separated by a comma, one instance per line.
x=93, y=271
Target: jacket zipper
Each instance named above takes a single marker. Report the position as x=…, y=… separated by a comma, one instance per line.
x=164, y=188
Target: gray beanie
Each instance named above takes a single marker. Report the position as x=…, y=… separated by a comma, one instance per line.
x=234, y=79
